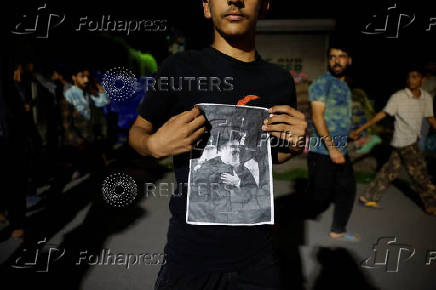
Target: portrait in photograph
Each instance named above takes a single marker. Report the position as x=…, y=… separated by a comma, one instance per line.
x=230, y=177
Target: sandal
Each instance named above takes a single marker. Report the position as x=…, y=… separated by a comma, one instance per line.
x=347, y=238
x=369, y=204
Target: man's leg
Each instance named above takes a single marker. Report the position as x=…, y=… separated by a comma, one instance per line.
x=389, y=172
x=345, y=193
x=321, y=182
x=416, y=166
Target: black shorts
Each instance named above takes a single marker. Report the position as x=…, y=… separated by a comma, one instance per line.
x=263, y=274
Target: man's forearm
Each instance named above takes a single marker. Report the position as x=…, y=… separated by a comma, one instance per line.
x=432, y=121
x=380, y=115
x=323, y=132
x=139, y=139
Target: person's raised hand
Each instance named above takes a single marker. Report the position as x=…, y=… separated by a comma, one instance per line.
x=288, y=124
x=178, y=134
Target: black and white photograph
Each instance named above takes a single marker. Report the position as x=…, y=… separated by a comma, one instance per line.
x=230, y=180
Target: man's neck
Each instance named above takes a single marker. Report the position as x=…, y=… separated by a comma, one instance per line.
x=341, y=78
x=242, y=49
x=416, y=92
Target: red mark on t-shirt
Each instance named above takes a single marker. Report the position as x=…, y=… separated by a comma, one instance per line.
x=246, y=99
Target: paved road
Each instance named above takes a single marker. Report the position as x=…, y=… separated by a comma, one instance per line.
x=313, y=260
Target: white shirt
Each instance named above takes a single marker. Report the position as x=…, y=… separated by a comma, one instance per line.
x=409, y=111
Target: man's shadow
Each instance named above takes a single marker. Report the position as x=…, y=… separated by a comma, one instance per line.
x=289, y=234
x=291, y=212
x=86, y=239
x=339, y=270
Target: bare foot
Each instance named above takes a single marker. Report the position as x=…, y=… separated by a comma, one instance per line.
x=336, y=235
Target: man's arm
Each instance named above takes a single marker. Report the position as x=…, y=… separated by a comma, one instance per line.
x=318, y=109
x=176, y=136
x=432, y=121
x=355, y=134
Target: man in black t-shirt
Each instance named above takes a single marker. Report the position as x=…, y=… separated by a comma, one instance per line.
x=169, y=124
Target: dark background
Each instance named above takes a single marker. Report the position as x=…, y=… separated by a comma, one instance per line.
x=379, y=62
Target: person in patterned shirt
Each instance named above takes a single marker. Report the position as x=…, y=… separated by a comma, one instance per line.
x=331, y=176
x=79, y=152
x=78, y=108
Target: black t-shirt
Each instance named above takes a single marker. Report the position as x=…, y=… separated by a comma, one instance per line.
x=209, y=76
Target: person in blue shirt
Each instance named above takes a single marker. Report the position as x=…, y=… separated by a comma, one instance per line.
x=331, y=176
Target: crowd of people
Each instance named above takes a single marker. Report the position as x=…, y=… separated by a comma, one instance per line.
x=331, y=174
x=56, y=126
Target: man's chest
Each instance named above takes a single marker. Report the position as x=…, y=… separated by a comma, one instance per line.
x=409, y=108
x=234, y=88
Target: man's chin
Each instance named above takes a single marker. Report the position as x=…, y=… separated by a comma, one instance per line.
x=338, y=73
x=234, y=32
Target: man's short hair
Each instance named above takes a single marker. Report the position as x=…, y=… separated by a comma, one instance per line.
x=339, y=43
x=415, y=67
x=74, y=70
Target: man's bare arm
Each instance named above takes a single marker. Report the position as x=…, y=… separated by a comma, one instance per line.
x=380, y=115
x=176, y=136
x=139, y=134
x=432, y=121
x=318, y=109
